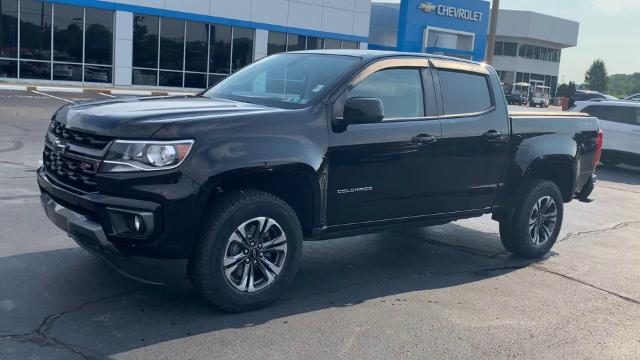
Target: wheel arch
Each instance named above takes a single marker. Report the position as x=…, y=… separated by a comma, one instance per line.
x=558, y=169
x=297, y=184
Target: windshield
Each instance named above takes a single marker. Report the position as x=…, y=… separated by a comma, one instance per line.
x=285, y=79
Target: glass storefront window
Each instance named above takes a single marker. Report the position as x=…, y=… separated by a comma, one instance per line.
x=9, y=31
x=531, y=52
x=498, y=48
x=67, y=72
x=314, y=43
x=196, y=47
x=8, y=68
x=145, y=41
x=191, y=53
x=220, y=49
x=296, y=42
x=214, y=79
x=510, y=49
x=332, y=44
x=195, y=80
x=98, y=37
x=171, y=44
x=281, y=42
x=145, y=77
x=57, y=41
x=35, y=33
x=64, y=42
x=67, y=35
x=242, y=47
x=350, y=45
x=277, y=43
x=35, y=70
x=170, y=78
x=98, y=74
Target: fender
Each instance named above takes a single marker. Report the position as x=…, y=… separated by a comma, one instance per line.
x=234, y=148
x=296, y=183
x=531, y=155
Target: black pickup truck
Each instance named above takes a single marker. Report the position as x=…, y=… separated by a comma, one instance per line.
x=224, y=186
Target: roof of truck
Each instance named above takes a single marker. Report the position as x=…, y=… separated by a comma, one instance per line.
x=376, y=54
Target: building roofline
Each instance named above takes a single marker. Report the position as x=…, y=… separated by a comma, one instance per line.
x=539, y=13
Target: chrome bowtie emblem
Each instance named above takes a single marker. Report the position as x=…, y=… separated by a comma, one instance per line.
x=60, y=146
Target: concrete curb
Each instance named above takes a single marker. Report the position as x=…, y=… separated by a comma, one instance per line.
x=78, y=90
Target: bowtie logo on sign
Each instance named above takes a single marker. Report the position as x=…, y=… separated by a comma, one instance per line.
x=427, y=7
x=451, y=11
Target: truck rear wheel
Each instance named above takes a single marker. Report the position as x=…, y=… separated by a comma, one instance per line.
x=537, y=218
x=248, y=251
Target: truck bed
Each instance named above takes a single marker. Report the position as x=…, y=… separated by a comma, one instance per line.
x=546, y=114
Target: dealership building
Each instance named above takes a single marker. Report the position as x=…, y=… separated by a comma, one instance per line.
x=528, y=45
x=196, y=43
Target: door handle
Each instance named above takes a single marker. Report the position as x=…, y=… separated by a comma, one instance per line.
x=493, y=135
x=424, y=139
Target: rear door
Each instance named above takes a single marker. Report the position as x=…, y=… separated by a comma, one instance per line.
x=386, y=170
x=475, y=133
x=621, y=126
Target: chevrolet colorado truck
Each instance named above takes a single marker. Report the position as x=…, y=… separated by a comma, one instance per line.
x=225, y=186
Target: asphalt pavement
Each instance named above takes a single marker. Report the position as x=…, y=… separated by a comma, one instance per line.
x=448, y=291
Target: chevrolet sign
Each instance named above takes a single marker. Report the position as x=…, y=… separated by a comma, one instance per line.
x=451, y=11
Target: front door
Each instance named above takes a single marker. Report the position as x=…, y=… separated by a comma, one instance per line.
x=385, y=170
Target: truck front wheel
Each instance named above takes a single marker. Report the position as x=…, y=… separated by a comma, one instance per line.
x=248, y=251
x=537, y=218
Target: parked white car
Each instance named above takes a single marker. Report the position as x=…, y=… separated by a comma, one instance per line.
x=620, y=122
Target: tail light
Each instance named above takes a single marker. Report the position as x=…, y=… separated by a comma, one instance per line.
x=598, y=154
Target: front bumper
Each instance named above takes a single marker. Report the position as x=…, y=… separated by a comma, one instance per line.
x=91, y=236
x=161, y=255
x=173, y=202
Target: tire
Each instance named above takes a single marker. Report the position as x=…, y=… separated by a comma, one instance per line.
x=242, y=213
x=607, y=160
x=609, y=163
x=515, y=232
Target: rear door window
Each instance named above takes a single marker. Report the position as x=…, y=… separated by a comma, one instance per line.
x=464, y=93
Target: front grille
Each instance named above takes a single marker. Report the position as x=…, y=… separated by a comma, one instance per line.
x=69, y=171
x=79, y=138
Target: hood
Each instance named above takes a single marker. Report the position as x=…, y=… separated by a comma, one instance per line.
x=142, y=117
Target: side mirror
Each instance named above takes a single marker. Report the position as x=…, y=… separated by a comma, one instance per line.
x=363, y=110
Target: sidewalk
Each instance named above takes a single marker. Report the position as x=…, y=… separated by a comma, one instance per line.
x=91, y=90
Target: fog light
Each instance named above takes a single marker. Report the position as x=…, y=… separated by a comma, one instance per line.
x=131, y=223
x=138, y=223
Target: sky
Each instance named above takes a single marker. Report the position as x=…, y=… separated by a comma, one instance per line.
x=609, y=29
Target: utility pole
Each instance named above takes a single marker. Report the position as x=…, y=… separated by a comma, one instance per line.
x=495, y=7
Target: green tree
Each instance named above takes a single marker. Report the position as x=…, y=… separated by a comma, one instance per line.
x=596, y=77
x=562, y=90
x=622, y=85
x=565, y=90
x=572, y=88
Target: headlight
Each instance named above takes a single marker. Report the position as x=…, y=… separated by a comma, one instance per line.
x=128, y=156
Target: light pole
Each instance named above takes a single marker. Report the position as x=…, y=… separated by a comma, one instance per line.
x=495, y=6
